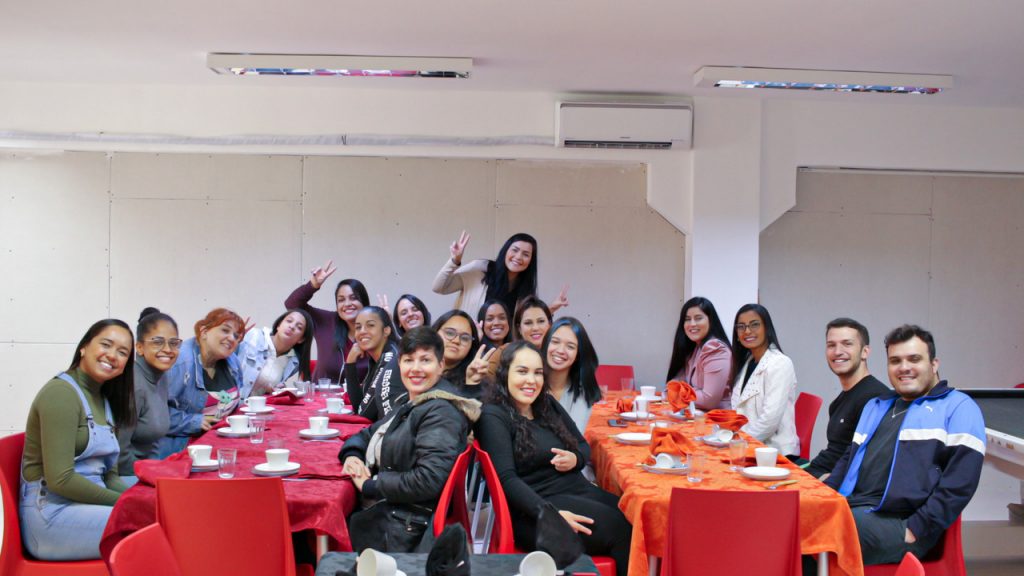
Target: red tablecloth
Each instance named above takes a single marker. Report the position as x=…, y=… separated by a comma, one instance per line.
x=826, y=523
x=313, y=504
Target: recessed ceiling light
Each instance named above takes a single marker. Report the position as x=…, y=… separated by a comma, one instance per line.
x=825, y=80
x=327, y=65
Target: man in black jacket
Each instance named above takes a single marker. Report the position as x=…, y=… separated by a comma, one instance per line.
x=847, y=347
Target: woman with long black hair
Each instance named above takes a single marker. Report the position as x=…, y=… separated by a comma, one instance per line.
x=571, y=363
x=462, y=367
x=271, y=356
x=380, y=392
x=509, y=278
x=334, y=329
x=494, y=318
x=409, y=313
x=539, y=454
x=700, y=354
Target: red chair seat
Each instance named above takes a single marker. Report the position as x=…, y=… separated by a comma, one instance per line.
x=807, y=408
x=611, y=375
x=945, y=559
x=144, y=553
x=451, y=506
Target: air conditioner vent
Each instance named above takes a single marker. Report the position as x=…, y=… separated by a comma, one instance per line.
x=618, y=145
x=640, y=125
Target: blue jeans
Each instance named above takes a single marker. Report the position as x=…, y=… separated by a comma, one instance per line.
x=55, y=528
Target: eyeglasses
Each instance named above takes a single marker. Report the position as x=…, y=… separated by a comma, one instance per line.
x=451, y=334
x=158, y=343
x=752, y=326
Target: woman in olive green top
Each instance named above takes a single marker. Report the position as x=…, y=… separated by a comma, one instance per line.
x=69, y=471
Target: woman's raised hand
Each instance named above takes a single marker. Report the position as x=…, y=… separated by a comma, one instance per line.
x=458, y=247
x=320, y=273
x=382, y=301
x=576, y=522
x=564, y=460
x=354, y=354
x=562, y=301
x=477, y=369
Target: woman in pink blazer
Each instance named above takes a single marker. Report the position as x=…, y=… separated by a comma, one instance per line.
x=701, y=356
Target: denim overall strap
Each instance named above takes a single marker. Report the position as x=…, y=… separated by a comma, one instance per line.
x=101, y=452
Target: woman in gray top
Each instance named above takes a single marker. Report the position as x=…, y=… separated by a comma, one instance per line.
x=156, y=350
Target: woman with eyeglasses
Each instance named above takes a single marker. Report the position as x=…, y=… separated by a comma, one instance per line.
x=700, y=354
x=272, y=356
x=205, y=383
x=764, y=381
x=462, y=367
x=155, y=352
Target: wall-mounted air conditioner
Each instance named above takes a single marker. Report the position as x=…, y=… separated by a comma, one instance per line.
x=623, y=125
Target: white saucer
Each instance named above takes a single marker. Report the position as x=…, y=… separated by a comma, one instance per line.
x=308, y=433
x=229, y=433
x=679, y=415
x=633, y=438
x=206, y=466
x=343, y=412
x=765, y=472
x=264, y=410
x=265, y=469
x=713, y=441
x=655, y=398
x=676, y=470
x=632, y=416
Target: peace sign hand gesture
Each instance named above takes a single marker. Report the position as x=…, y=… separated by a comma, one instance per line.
x=458, y=247
x=477, y=369
x=320, y=273
x=563, y=299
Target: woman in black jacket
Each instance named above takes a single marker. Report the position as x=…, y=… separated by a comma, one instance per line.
x=401, y=463
x=538, y=454
x=376, y=340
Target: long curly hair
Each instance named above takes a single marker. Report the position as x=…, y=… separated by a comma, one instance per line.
x=545, y=414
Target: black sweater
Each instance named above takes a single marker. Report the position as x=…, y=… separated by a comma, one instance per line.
x=527, y=483
x=843, y=415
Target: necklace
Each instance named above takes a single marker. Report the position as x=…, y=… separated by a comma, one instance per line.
x=895, y=413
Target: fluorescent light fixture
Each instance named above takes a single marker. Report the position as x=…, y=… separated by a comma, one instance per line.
x=827, y=80
x=327, y=65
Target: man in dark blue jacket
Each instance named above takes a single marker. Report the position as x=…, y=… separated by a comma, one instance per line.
x=916, y=455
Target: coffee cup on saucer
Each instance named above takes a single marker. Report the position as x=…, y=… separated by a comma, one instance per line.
x=766, y=456
x=668, y=460
x=277, y=458
x=640, y=406
x=318, y=424
x=239, y=424
x=200, y=453
x=537, y=564
x=649, y=392
x=256, y=403
x=335, y=405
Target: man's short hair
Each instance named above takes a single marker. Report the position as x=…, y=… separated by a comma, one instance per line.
x=844, y=322
x=908, y=331
x=421, y=338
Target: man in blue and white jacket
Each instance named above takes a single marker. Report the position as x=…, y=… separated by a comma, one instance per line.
x=916, y=455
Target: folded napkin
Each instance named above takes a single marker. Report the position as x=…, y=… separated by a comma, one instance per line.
x=727, y=419
x=222, y=424
x=668, y=441
x=321, y=470
x=349, y=419
x=285, y=398
x=624, y=405
x=175, y=466
x=679, y=394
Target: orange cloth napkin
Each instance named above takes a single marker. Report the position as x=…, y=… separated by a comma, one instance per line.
x=624, y=405
x=727, y=419
x=679, y=394
x=668, y=441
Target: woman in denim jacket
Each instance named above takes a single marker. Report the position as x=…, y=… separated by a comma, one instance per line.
x=270, y=357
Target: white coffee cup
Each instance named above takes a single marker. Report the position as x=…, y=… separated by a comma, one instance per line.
x=200, y=453
x=256, y=402
x=668, y=460
x=239, y=424
x=277, y=457
x=640, y=406
x=318, y=424
x=724, y=435
x=766, y=456
x=537, y=564
x=649, y=391
x=335, y=405
x=374, y=563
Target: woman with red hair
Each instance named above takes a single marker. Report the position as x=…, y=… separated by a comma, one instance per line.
x=205, y=383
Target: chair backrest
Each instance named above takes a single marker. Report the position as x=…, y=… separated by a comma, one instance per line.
x=144, y=553
x=946, y=558
x=502, y=539
x=227, y=526
x=807, y=407
x=764, y=525
x=910, y=566
x=451, y=506
x=611, y=375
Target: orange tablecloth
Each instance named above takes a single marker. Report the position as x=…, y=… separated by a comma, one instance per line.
x=826, y=524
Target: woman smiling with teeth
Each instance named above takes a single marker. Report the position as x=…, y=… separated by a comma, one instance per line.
x=381, y=391
x=572, y=362
x=701, y=355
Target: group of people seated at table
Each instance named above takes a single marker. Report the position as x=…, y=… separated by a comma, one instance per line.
x=515, y=377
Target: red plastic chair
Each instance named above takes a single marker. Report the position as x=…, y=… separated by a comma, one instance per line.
x=1021, y=385
x=228, y=526
x=13, y=561
x=144, y=553
x=910, y=566
x=312, y=369
x=762, y=533
x=807, y=408
x=945, y=559
x=611, y=375
x=502, y=539
x=451, y=506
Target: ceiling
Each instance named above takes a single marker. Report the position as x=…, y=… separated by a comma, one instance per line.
x=551, y=46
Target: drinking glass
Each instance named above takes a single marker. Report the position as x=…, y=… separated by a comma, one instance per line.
x=700, y=424
x=325, y=387
x=697, y=463
x=226, y=460
x=627, y=384
x=737, y=453
x=257, y=424
x=306, y=387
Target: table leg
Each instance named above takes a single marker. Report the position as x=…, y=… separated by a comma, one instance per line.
x=654, y=565
x=823, y=564
x=321, y=546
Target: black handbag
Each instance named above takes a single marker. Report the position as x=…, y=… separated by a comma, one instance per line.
x=390, y=528
x=450, y=554
x=556, y=537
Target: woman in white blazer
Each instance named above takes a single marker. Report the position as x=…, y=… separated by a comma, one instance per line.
x=764, y=382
